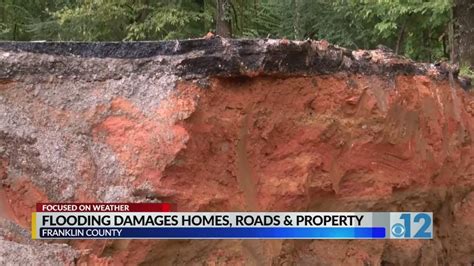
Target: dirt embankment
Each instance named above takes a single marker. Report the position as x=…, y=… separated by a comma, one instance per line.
x=235, y=125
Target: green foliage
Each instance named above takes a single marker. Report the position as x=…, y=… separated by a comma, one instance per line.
x=102, y=20
x=421, y=25
x=466, y=71
x=116, y=20
x=169, y=22
x=93, y=20
x=17, y=17
x=416, y=28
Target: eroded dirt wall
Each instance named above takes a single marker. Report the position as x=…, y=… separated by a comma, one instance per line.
x=234, y=125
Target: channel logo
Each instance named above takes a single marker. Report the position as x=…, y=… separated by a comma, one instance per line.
x=411, y=225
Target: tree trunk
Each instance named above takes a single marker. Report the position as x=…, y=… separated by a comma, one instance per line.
x=463, y=13
x=223, y=25
x=401, y=35
x=296, y=19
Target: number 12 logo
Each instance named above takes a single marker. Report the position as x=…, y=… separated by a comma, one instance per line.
x=421, y=221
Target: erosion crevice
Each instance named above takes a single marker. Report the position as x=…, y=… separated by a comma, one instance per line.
x=244, y=171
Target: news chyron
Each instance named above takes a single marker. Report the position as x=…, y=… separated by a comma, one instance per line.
x=161, y=221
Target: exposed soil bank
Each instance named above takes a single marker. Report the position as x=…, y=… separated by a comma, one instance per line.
x=221, y=125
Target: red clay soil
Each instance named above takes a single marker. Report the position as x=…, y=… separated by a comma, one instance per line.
x=328, y=143
x=339, y=142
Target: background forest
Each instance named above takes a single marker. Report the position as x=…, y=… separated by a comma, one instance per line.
x=422, y=30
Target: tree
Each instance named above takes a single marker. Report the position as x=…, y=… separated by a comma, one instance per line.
x=463, y=12
x=223, y=20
